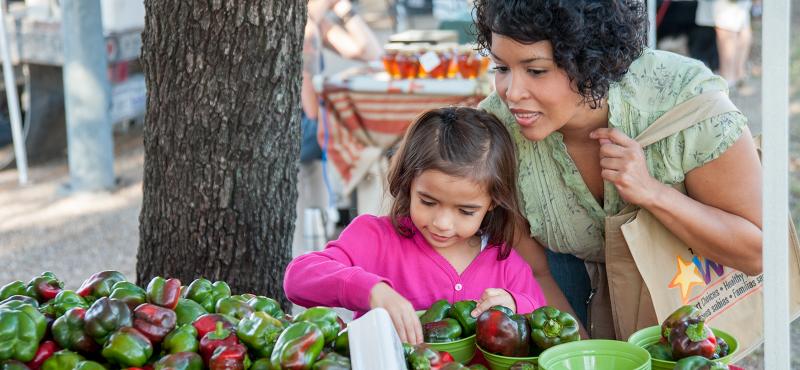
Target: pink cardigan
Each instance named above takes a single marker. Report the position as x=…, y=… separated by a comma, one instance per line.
x=369, y=251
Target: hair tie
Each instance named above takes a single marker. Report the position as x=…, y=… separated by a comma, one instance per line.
x=449, y=117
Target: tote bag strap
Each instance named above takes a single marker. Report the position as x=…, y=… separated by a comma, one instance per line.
x=686, y=114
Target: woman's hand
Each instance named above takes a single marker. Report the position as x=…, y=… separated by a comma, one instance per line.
x=404, y=318
x=494, y=297
x=623, y=164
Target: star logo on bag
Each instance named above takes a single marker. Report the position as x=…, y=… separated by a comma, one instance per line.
x=686, y=277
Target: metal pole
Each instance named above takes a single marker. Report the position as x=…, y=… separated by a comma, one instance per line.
x=13, y=102
x=651, y=20
x=775, y=115
x=87, y=94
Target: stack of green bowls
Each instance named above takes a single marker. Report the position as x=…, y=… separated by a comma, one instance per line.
x=498, y=362
x=647, y=336
x=462, y=350
x=595, y=354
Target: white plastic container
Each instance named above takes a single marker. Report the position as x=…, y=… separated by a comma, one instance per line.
x=374, y=344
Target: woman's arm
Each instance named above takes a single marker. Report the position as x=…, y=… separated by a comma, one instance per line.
x=353, y=39
x=720, y=219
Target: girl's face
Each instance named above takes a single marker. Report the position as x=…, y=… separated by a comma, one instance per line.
x=536, y=90
x=447, y=210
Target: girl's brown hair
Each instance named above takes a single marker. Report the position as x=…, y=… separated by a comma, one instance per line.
x=461, y=142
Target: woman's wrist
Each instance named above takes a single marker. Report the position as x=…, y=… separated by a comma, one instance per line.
x=659, y=194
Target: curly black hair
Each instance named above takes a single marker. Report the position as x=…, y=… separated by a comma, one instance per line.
x=594, y=41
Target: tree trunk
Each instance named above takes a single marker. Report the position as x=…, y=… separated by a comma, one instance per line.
x=221, y=141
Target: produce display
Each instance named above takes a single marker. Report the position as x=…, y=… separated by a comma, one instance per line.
x=111, y=323
x=500, y=331
x=685, y=335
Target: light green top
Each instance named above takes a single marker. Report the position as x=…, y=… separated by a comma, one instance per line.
x=563, y=214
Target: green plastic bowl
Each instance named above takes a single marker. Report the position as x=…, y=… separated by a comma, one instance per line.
x=648, y=336
x=498, y=362
x=463, y=350
x=597, y=354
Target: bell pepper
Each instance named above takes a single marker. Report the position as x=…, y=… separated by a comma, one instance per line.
x=208, y=323
x=229, y=357
x=298, y=346
x=89, y=365
x=45, y=350
x=182, y=339
x=100, y=284
x=660, y=351
x=187, y=311
x=104, y=317
x=62, y=360
x=523, y=365
x=503, y=334
x=65, y=300
x=266, y=304
x=155, y=322
x=692, y=338
x=14, y=365
x=219, y=337
x=326, y=320
x=22, y=327
x=332, y=361
x=550, y=327
x=462, y=312
x=699, y=363
x=260, y=364
x=180, y=361
x=130, y=293
x=44, y=287
x=127, y=347
x=21, y=298
x=454, y=366
x=259, y=331
x=207, y=294
x=68, y=332
x=234, y=308
x=678, y=317
x=423, y=357
x=437, y=312
x=477, y=367
x=446, y=330
x=12, y=288
x=722, y=348
x=164, y=292
x=342, y=343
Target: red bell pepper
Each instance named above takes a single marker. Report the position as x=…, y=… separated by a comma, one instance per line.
x=164, y=292
x=44, y=287
x=208, y=323
x=153, y=321
x=214, y=339
x=692, y=338
x=46, y=349
x=100, y=284
x=229, y=357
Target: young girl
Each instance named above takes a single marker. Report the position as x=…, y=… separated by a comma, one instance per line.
x=453, y=181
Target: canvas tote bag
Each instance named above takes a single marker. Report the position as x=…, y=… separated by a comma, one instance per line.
x=651, y=272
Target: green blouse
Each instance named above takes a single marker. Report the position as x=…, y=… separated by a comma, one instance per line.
x=563, y=214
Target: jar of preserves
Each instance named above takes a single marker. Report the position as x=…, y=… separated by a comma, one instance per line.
x=390, y=52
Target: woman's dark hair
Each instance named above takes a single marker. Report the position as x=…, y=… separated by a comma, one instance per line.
x=460, y=142
x=594, y=41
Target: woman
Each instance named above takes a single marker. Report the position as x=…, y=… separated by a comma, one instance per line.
x=574, y=83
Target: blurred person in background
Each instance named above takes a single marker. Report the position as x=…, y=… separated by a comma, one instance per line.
x=731, y=21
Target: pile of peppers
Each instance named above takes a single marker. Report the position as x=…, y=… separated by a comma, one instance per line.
x=443, y=322
x=686, y=338
x=111, y=323
x=501, y=331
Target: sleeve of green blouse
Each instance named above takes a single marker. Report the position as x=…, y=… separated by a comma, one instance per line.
x=707, y=140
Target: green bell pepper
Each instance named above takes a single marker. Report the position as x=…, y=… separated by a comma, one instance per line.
x=550, y=327
x=699, y=363
x=437, y=312
x=66, y=300
x=12, y=288
x=164, y=292
x=462, y=312
x=188, y=310
x=22, y=327
x=105, y=316
x=180, y=361
x=503, y=334
x=443, y=331
x=453, y=366
x=260, y=364
x=127, y=347
x=15, y=365
x=342, y=343
x=68, y=332
x=100, y=284
x=660, y=351
x=63, y=360
x=326, y=320
x=89, y=365
x=332, y=361
x=44, y=287
x=259, y=331
x=130, y=293
x=207, y=294
x=21, y=298
x=233, y=307
x=523, y=365
x=298, y=346
x=268, y=305
x=182, y=339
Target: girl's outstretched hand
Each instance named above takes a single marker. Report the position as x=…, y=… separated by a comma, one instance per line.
x=405, y=319
x=494, y=297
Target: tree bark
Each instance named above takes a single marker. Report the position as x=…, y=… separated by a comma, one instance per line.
x=222, y=141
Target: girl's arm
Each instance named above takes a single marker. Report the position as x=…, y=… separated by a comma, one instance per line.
x=720, y=219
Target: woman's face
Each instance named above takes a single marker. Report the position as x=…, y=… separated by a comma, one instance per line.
x=536, y=90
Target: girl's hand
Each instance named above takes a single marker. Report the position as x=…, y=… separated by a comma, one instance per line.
x=402, y=312
x=494, y=297
x=623, y=164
